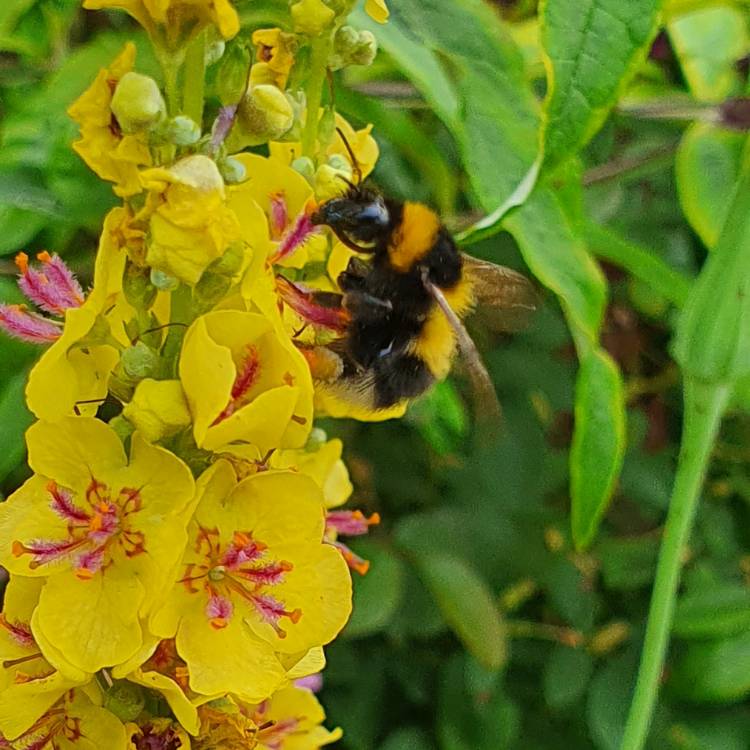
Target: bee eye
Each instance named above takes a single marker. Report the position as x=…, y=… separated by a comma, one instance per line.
x=374, y=213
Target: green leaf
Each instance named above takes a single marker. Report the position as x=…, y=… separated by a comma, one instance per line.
x=377, y=594
x=718, y=610
x=14, y=420
x=471, y=73
x=467, y=605
x=566, y=676
x=598, y=442
x=715, y=671
x=592, y=49
x=23, y=190
x=708, y=42
x=557, y=257
x=628, y=564
x=411, y=738
x=706, y=168
x=713, y=334
x=642, y=263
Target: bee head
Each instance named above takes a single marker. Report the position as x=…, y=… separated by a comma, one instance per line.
x=360, y=216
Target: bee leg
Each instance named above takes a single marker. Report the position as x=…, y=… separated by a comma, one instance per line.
x=365, y=307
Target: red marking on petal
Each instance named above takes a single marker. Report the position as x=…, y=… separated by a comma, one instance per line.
x=21, y=324
x=20, y=632
x=247, y=375
x=279, y=214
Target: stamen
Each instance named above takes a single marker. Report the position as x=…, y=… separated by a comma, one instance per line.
x=20, y=632
x=54, y=291
x=21, y=324
x=268, y=575
x=272, y=610
x=308, y=305
x=46, y=551
x=295, y=237
x=354, y=561
x=350, y=522
x=279, y=214
x=62, y=503
x=219, y=611
x=59, y=274
x=247, y=375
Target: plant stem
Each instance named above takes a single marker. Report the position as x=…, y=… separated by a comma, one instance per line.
x=170, y=65
x=182, y=314
x=319, y=52
x=194, y=84
x=704, y=406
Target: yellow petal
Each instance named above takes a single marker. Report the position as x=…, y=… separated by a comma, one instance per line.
x=377, y=10
x=158, y=408
x=185, y=712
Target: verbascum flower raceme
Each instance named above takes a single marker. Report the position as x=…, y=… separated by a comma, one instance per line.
x=176, y=557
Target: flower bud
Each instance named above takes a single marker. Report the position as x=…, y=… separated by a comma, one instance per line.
x=215, y=51
x=163, y=281
x=316, y=439
x=264, y=115
x=352, y=47
x=311, y=17
x=231, y=77
x=139, y=361
x=137, y=103
x=329, y=183
x=232, y=170
x=125, y=700
x=340, y=163
x=138, y=287
x=158, y=409
x=182, y=131
x=304, y=165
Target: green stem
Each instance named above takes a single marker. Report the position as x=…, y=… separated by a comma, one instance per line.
x=170, y=67
x=182, y=314
x=320, y=50
x=704, y=406
x=194, y=84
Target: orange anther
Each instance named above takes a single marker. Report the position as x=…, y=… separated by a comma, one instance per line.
x=295, y=615
x=17, y=548
x=22, y=261
x=84, y=574
x=374, y=519
x=44, y=257
x=241, y=539
x=217, y=623
x=95, y=523
x=102, y=507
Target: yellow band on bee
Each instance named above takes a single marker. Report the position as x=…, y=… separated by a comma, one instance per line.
x=414, y=237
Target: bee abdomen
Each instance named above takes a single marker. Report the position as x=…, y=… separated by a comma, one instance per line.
x=400, y=377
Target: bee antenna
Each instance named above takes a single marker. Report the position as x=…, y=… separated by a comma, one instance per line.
x=355, y=162
x=347, y=181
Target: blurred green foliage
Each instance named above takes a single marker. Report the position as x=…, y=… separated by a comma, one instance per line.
x=509, y=587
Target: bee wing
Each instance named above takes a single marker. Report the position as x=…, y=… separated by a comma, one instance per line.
x=487, y=406
x=504, y=298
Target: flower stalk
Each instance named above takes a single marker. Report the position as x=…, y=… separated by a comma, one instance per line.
x=704, y=406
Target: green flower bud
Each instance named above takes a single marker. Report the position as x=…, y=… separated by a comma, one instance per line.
x=232, y=170
x=304, y=165
x=215, y=51
x=139, y=361
x=163, y=281
x=264, y=115
x=138, y=288
x=182, y=131
x=317, y=438
x=137, y=103
x=231, y=77
x=340, y=163
x=125, y=700
x=366, y=50
x=311, y=17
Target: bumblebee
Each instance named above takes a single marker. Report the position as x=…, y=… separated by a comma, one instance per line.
x=403, y=298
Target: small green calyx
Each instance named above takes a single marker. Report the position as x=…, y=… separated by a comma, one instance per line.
x=137, y=103
x=125, y=700
x=139, y=361
x=352, y=47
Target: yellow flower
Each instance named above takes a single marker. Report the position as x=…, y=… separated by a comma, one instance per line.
x=274, y=51
x=285, y=198
x=29, y=685
x=256, y=580
x=311, y=17
x=71, y=376
x=107, y=534
x=377, y=10
x=174, y=22
x=291, y=720
x=158, y=409
x=191, y=224
x=74, y=722
x=363, y=145
x=111, y=154
x=244, y=383
x=323, y=465
x=157, y=733
x=225, y=726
